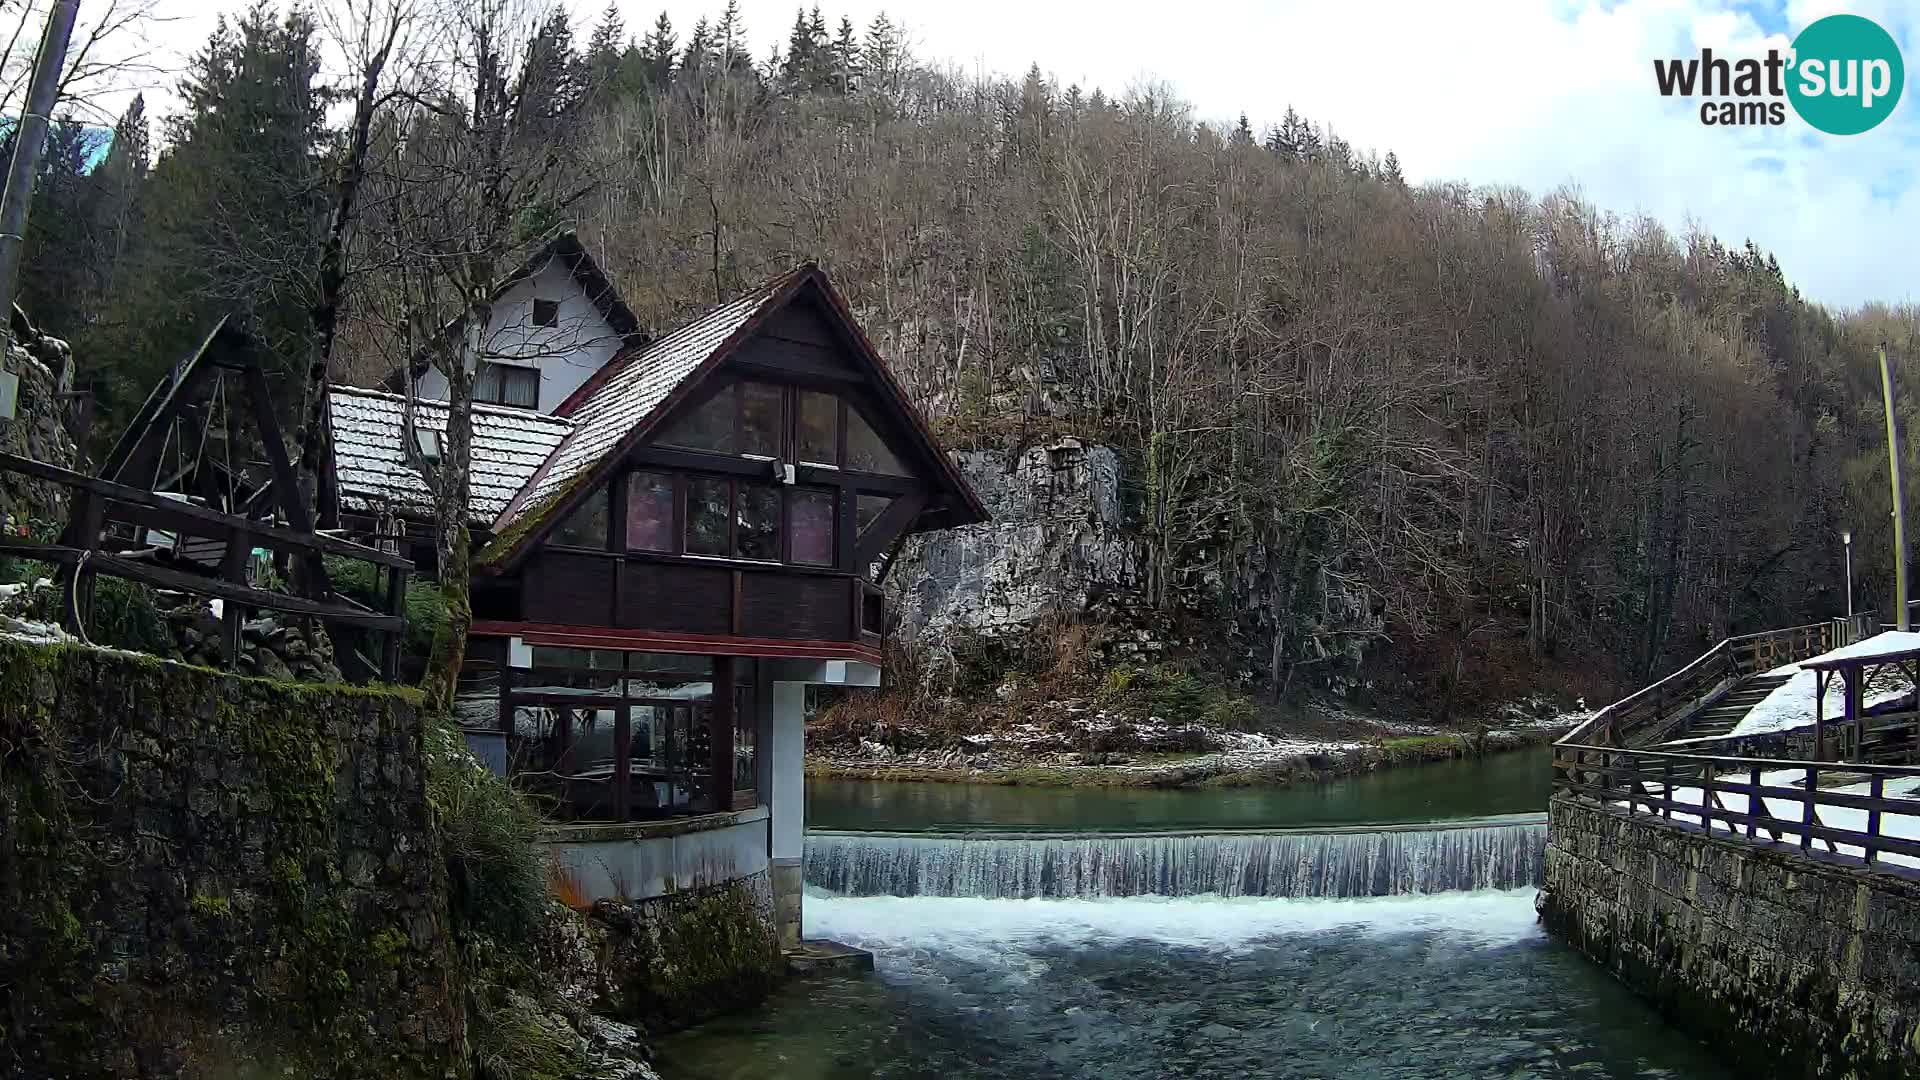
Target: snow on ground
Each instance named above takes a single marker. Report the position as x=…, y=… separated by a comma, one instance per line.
x=1790, y=706
x=1902, y=826
x=33, y=632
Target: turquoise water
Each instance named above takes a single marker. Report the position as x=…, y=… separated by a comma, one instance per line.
x=1510, y=783
x=1140, y=987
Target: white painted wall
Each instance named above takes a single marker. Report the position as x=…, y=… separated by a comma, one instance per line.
x=786, y=752
x=566, y=353
x=638, y=869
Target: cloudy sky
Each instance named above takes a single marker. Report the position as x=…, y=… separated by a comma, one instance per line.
x=1535, y=93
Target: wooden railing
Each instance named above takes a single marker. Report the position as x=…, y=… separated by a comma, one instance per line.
x=82, y=555
x=1651, y=714
x=1730, y=795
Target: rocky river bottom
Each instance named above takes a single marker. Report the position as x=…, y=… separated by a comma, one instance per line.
x=1447, y=985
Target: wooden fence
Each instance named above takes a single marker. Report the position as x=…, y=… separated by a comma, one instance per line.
x=1655, y=712
x=95, y=502
x=1730, y=795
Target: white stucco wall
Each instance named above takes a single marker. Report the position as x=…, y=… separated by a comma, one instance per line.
x=566, y=353
x=638, y=869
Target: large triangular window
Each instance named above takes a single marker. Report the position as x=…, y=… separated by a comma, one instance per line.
x=866, y=451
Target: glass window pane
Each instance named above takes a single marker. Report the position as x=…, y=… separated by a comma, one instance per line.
x=707, y=512
x=587, y=525
x=759, y=532
x=520, y=387
x=868, y=509
x=544, y=657
x=760, y=414
x=710, y=427
x=650, y=512
x=819, y=428
x=865, y=450
x=683, y=663
x=813, y=527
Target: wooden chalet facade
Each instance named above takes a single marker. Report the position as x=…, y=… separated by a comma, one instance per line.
x=696, y=530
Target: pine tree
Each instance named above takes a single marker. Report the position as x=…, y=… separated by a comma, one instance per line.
x=846, y=58
x=1390, y=170
x=657, y=52
x=553, y=80
x=730, y=40
x=884, y=55
x=604, y=50
x=1243, y=132
x=798, y=72
x=234, y=212
x=1275, y=144
x=698, y=60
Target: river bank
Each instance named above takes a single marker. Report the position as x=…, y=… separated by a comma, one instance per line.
x=1234, y=759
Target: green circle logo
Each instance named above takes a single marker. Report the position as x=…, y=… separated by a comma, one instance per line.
x=1846, y=74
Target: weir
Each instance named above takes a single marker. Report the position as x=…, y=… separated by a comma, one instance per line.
x=1485, y=853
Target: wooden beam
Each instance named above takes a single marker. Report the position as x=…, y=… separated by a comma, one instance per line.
x=892, y=522
x=187, y=517
x=138, y=446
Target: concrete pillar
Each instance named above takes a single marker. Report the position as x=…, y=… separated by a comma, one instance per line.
x=787, y=800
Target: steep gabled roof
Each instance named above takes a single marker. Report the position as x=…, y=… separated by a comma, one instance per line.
x=370, y=466
x=613, y=413
x=579, y=264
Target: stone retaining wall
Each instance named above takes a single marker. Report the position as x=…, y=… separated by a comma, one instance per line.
x=203, y=875
x=1793, y=965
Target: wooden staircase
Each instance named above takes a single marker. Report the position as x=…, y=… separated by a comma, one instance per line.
x=1720, y=716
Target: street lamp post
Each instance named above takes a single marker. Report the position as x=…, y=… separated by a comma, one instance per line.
x=1846, y=541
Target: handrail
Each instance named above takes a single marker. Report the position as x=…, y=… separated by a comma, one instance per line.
x=1647, y=783
x=1817, y=637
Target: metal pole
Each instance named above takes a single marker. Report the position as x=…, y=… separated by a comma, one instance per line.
x=1846, y=540
x=1899, y=504
x=29, y=138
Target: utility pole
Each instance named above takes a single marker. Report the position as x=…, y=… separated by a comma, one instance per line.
x=30, y=137
x=1899, y=510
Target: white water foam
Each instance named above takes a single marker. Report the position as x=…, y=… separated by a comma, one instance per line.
x=993, y=928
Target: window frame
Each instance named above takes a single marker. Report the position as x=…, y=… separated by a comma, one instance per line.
x=552, y=309
x=520, y=370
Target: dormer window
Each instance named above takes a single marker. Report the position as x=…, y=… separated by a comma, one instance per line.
x=546, y=313
x=507, y=384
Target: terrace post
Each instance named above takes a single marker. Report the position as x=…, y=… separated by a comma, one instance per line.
x=786, y=747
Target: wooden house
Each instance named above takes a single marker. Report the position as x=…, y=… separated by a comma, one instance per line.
x=672, y=548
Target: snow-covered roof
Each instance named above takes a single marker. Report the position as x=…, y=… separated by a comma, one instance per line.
x=630, y=393
x=509, y=446
x=1880, y=648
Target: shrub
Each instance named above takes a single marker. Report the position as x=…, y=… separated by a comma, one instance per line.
x=426, y=611
x=490, y=839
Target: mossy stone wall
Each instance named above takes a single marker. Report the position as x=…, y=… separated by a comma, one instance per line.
x=204, y=875
x=678, y=959
x=1794, y=965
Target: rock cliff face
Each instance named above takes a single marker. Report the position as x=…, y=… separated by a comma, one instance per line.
x=1056, y=547
x=36, y=432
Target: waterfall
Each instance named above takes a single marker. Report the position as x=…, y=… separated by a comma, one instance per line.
x=1502, y=853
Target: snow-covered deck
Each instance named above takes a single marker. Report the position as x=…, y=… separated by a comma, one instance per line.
x=1791, y=812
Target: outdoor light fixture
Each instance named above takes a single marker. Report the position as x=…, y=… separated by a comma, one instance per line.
x=1846, y=541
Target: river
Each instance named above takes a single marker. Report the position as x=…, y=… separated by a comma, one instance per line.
x=1123, y=934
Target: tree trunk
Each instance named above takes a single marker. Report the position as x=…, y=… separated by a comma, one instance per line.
x=450, y=509
x=332, y=281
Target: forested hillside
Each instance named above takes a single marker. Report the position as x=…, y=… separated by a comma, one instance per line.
x=1487, y=438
